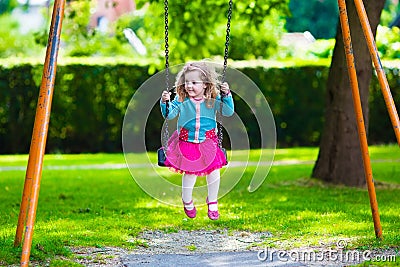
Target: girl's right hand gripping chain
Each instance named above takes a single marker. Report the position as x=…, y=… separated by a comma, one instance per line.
x=165, y=96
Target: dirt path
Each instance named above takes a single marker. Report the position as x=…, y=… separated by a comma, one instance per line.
x=223, y=248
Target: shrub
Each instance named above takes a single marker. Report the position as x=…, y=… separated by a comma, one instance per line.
x=90, y=100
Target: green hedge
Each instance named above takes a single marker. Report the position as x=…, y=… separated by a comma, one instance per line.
x=90, y=100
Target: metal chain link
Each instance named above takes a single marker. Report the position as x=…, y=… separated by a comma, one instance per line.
x=166, y=132
x=227, y=38
x=166, y=45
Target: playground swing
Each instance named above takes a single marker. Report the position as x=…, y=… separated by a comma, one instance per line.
x=162, y=152
x=26, y=219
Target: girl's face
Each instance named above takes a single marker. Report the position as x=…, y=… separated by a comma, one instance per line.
x=194, y=86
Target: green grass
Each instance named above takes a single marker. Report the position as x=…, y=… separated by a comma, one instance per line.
x=97, y=208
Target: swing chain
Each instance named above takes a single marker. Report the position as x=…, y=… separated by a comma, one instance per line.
x=166, y=45
x=227, y=38
x=226, y=52
x=166, y=132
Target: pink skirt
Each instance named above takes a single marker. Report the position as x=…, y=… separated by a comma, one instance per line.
x=194, y=158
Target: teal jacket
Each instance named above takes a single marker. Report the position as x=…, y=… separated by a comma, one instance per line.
x=196, y=121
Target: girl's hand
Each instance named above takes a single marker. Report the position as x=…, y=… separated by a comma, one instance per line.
x=165, y=96
x=225, y=88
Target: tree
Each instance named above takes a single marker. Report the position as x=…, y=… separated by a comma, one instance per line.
x=317, y=16
x=197, y=28
x=6, y=6
x=339, y=160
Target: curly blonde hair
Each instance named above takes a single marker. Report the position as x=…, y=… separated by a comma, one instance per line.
x=208, y=75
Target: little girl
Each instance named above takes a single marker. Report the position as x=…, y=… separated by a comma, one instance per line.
x=193, y=149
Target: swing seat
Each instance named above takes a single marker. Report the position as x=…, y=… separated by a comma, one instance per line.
x=161, y=157
x=226, y=156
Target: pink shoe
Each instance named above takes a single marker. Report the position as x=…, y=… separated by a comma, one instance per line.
x=212, y=214
x=190, y=213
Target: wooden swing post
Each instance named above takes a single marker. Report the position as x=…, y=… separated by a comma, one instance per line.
x=344, y=21
x=394, y=117
x=38, y=143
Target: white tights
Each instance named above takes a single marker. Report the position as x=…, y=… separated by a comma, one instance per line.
x=213, y=181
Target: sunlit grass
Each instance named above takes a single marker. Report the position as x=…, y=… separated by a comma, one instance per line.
x=105, y=207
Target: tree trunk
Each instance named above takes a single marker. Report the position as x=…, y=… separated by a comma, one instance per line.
x=339, y=160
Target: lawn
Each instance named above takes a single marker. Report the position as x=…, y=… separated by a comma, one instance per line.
x=84, y=206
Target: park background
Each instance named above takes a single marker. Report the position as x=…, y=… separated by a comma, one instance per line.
x=284, y=49
x=98, y=70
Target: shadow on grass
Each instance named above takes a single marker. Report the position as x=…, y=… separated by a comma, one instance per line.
x=106, y=208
